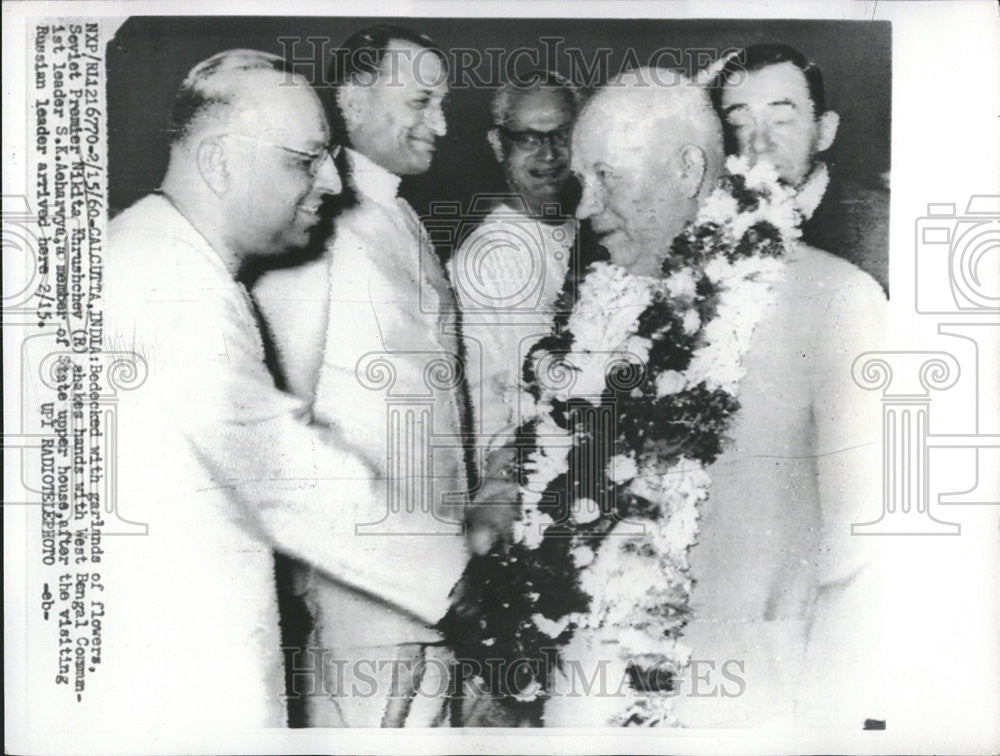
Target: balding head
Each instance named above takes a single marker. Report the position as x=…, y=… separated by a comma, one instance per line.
x=249, y=161
x=215, y=90
x=648, y=148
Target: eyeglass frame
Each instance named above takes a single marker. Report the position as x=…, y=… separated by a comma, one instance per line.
x=316, y=158
x=516, y=136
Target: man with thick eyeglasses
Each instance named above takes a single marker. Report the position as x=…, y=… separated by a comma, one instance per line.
x=510, y=269
x=217, y=461
x=310, y=161
x=529, y=140
x=507, y=274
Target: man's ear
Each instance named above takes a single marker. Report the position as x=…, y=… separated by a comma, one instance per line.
x=493, y=137
x=827, y=123
x=693, y=166
x=350, y=100
x=212, y=166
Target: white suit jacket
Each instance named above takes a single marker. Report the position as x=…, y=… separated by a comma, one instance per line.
x=366, y=335
x=783, y=591
x=786, y=603
x=507, y=275
x=223, y=469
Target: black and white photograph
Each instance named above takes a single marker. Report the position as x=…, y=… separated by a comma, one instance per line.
x=563, y=379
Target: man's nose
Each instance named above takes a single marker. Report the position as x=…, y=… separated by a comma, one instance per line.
x=590, y=203
x=760, y=140
x=328, y=177
x=547, y=150
x=434, y=118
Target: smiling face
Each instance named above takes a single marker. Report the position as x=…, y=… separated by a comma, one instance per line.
x=396, y=120
x=771, y=116
x=280, y=168
x=535, y=148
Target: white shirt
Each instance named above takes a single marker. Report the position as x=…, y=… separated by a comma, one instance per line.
x=781, y=585
x=220, y=465
x=366, y=334
x=507, y=275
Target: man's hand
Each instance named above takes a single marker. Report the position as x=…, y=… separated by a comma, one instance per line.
x=491, y=514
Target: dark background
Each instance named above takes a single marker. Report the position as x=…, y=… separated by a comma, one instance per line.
x=149, y=57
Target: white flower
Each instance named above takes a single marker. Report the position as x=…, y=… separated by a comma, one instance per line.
x=762, y=176
x=719, y=208
x=530, y=528
x=669, y=382
x=738, y=164
x=685, y=479
x=582, y=556
x=717, y=269
x=585, y=510
x=608, y=308
x=622, y=468
x=691, y=322
x=681, y=284
x=548, y=461
x=552, y=628
x=636, y=350
x=530, y=693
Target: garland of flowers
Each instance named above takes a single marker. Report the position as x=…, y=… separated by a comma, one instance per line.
x=641, y=374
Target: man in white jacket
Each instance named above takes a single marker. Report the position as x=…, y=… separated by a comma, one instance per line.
x=509, y=271
x=219, y=462
x=784, y=599
x=367, y=336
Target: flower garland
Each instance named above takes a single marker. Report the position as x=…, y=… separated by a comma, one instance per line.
x=630, y=401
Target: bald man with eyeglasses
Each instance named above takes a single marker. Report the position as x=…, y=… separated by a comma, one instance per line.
x=220, y=464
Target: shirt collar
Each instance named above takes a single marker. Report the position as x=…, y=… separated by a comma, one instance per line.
x=812, y=191
x=550, y=230
x=371, y=179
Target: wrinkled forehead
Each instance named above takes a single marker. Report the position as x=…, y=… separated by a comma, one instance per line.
x=611, y=130
x=409, y=67
x=547, y=107
x=280, y=108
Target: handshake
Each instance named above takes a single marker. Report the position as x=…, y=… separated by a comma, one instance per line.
x=490, y=515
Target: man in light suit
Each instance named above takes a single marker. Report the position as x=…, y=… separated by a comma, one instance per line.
x=216, y=460
x=367, y=336
x=782, y=590
x=509, y=271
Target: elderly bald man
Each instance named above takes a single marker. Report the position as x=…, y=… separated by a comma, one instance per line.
x=783, y=594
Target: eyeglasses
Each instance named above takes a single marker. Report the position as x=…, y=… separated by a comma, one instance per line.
x=531, y=140
x=316, y=159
